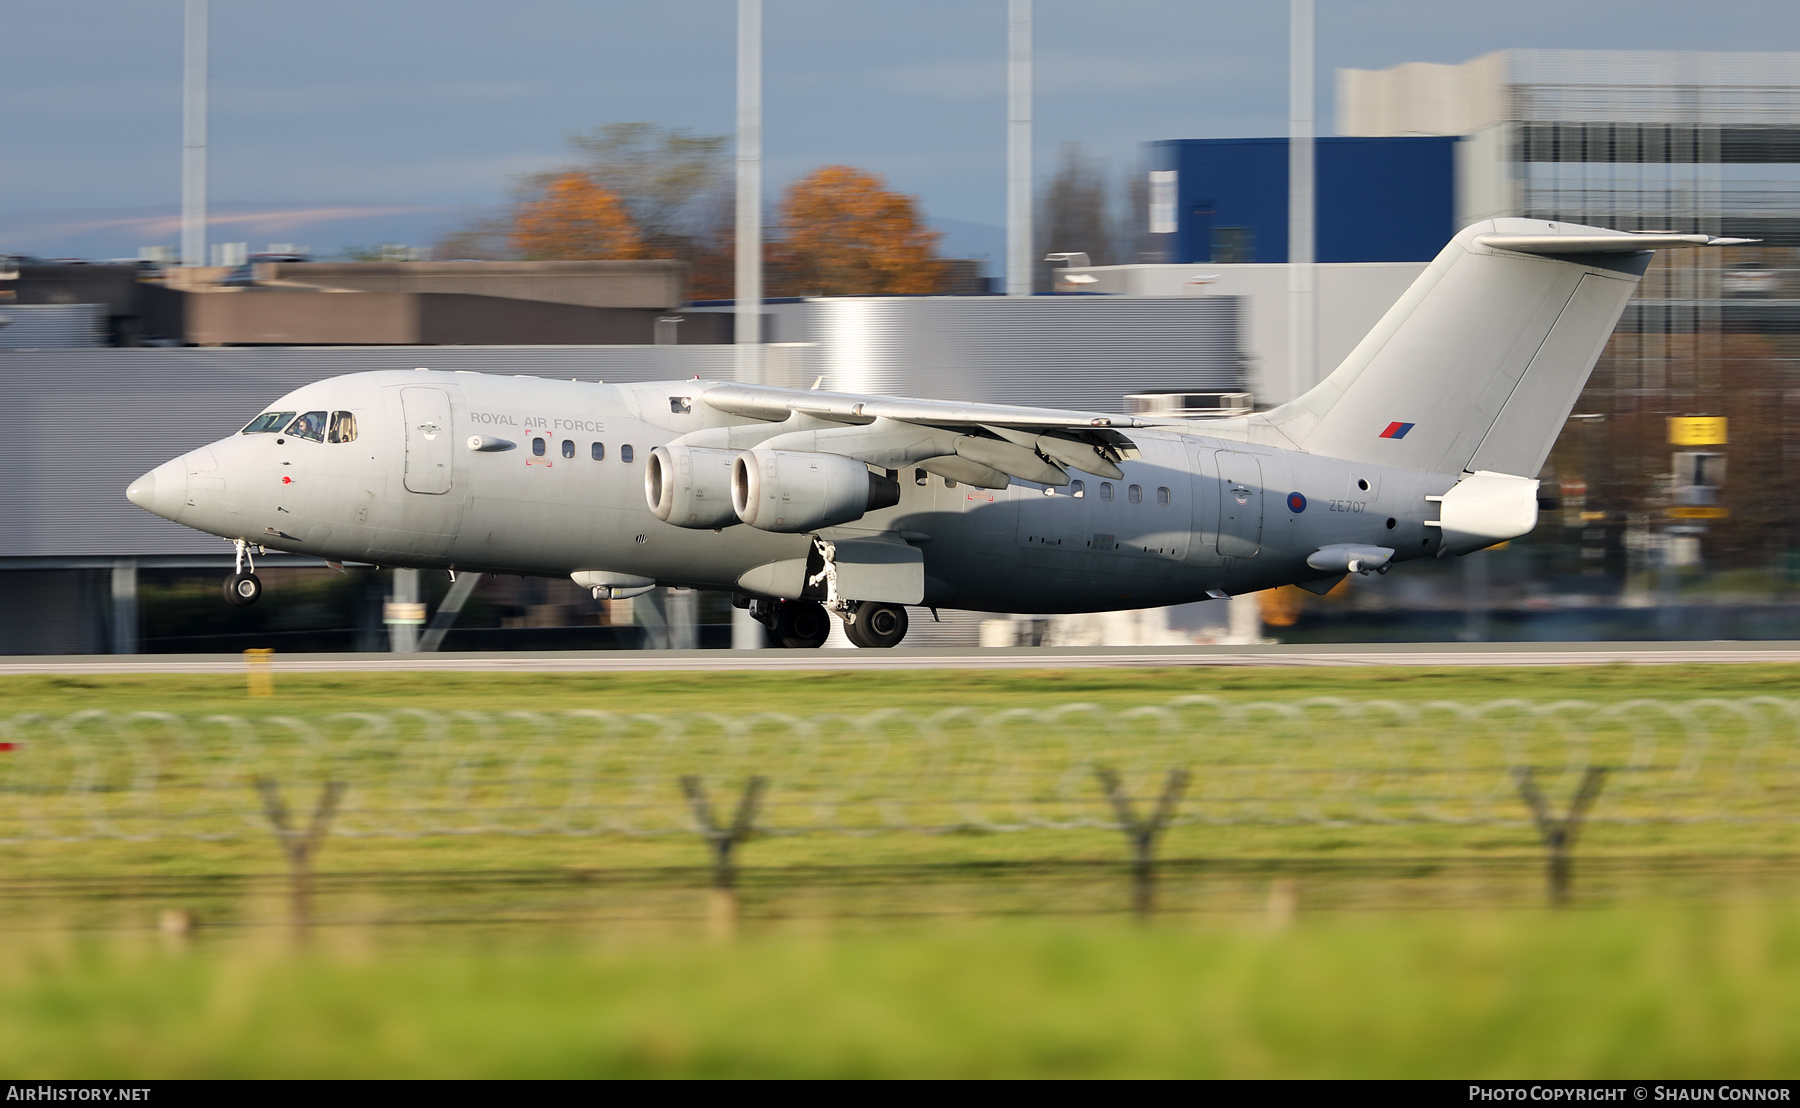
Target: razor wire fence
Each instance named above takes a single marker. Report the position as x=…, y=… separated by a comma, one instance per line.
x=1325, y=761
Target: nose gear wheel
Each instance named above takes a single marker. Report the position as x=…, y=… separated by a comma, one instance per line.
x=243, y=589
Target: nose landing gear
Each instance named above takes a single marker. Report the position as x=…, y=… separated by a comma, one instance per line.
x=243, y=588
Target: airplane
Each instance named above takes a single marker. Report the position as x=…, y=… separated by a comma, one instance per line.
x=808, y=505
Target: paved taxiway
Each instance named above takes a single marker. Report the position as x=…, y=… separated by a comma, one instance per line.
x=651, y=661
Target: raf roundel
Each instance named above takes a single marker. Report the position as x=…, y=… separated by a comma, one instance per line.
x=1296, y=503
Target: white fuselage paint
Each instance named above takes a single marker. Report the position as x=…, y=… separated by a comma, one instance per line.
x=411, y=491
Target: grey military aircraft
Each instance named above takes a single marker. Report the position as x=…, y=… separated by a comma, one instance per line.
x=809, y=504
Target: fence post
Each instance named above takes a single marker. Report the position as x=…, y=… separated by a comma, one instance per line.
x=299, y=846
x=1142, y=834
x=1559, y=835
x=722, y=841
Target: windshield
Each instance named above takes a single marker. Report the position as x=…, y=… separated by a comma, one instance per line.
x=267, y=423
x=309, y=426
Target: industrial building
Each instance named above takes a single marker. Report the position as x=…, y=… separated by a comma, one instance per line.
x=1387, y=199
x=1689, y=142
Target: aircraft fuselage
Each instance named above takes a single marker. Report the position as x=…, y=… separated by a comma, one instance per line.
x=1192, y=515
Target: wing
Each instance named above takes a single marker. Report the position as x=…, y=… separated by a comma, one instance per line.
x=981, y=444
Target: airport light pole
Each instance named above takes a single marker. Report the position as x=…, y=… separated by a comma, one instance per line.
x=1018, y=148
x=749, y=193
x=193, y=137
x=1302, y=344
x=746, y=632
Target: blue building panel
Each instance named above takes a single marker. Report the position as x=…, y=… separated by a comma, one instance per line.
x=1375, y=199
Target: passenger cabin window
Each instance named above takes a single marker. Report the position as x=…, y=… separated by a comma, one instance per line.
x=310, y=425
x=568, y=448
x=1162, y=495
x=1077, y=488
x=598, y=451
x=343, y=427
x=625, y=453
x=537, y=447
x=1135, y=494
x=267, y=424
x=1106, y=490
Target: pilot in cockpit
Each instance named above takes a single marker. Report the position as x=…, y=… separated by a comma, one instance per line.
x=310, y=425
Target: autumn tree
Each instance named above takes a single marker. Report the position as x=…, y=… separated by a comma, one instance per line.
x=677, y=185
x=643, y=191
x=844, y=233
x=575, y=218
x=674, y=186
x=673, y=181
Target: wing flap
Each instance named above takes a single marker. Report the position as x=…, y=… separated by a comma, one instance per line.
x=768, y=402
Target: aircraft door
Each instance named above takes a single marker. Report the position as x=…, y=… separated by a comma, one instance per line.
x=1203, y=547
x=429, y=443
x=1240, y=504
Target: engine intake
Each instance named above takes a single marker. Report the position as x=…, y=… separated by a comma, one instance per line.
x=690, y=486
x=793, y=491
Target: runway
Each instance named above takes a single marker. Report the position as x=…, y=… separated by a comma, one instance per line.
x=714, y=661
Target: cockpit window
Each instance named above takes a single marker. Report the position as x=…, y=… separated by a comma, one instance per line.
x=267, y=424
x=310, y=425
x=343, y=427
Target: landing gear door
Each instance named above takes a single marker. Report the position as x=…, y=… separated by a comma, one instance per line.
x=1240, y=504
x=428, y=439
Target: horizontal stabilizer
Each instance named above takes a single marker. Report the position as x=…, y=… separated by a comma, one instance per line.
x=1618, y=242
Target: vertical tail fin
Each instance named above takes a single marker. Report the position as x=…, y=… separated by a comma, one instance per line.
x=1477, y=366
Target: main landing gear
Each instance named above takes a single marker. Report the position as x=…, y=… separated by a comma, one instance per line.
x=795, y=624
x=243, y=588
x=876, y=625
x=801, y=624
x=805, y=624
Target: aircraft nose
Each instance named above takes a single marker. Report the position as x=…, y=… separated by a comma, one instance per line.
x=142, y=491
x=163, y=490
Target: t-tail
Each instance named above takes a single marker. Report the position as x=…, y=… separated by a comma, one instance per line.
x=1477, y=366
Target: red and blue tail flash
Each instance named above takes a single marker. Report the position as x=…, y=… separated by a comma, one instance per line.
x=1396, y=430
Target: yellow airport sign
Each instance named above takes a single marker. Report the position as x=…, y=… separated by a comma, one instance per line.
x=1699, y=513
x=1697, y=430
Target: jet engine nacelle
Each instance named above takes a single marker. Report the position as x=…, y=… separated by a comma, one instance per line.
x=792, y=491
x=690, y=486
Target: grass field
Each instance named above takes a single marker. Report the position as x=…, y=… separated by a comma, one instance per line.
x=1418, y=948
x=1010, y=789
x=1641, y=993
x=848, y=692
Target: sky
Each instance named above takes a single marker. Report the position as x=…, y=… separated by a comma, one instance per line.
x=387, y=120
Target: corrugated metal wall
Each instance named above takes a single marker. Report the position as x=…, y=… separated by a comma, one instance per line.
x=52, y=326
x=1057, y=351
x=77, y=426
